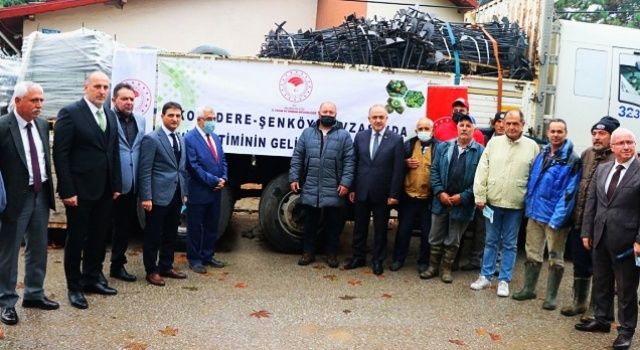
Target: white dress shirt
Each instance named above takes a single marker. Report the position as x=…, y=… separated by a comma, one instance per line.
x=94, y=109
x=373, y=138
x=22, y=125
x=204, y=136
x=169, y=132
x=622, y=172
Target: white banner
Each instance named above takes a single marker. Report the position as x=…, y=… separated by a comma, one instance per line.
x=262, y=107
x=137, y=67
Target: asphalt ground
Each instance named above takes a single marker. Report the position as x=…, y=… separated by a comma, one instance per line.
x=264, y=300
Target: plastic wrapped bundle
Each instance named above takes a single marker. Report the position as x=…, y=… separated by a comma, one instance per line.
x=9, y=69
x=61, y=62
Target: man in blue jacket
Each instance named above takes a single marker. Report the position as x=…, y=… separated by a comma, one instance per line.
x=206, y=174
x=322, y=168
x=551, y=194
x=452, y=174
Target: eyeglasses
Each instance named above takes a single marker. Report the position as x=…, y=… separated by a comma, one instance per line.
x=624, y=143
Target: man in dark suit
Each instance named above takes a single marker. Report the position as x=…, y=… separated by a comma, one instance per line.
x=24, y=161
x=130, y=132
x=611, y=227
x=379, y=157
x=162, y=189
x=85, y=153
x=207, y=173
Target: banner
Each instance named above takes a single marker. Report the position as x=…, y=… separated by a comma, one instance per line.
x=137, y=67
x=261, y=107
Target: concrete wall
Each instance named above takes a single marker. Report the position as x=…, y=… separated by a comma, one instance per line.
x=238, y=26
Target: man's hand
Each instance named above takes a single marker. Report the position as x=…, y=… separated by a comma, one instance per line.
x=294, y=186
x=220, y=185
x=456, y=199
x=445, y=199
x=411, y=163
x=185, y=199
x=636, y=248
x=342, y=191
x=116, y=195
x=71, y=201
x=147, y=205
x=352, y=197
x=586, y=243
x=480, y=205
x=392, y=201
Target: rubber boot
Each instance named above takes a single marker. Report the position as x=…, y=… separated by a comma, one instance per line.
x=434, y=262
x=531, y=273
x=553, y=283
x=589, y=315
x=581, y=287
x=448, y=259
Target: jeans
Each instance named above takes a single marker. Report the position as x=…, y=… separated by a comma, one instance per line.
x=505, y=227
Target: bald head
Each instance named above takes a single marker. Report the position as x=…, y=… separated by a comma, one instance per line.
x=96, y=88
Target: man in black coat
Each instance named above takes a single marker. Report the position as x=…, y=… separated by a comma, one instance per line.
x=379, y=156
x=85, y=153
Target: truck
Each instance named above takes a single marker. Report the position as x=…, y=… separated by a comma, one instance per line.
x=582, y=72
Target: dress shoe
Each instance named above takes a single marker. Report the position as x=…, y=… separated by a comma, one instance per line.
x=198, y=268
x=214, y=263
x=155, y=279
x=122, y=274
x=9, y=316
x=623, y=341
x=42, y=304
x=102, y=280
x=306, y=259
x=332, y=261
x=594, y=326
x=77, y=300
x=174, y=273
x=396, y=265
x=354, y=264
x=100, y=288
x=377, y=268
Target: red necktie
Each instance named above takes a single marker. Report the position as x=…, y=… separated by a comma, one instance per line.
x=211, y=148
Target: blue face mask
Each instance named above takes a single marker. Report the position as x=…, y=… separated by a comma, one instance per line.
x=209, y=126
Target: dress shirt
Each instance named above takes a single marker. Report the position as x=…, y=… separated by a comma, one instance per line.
x=169, y=132
x=204, y=136
x=22, y=125
x=94, y=109
x=373, y=137
x=622, y=172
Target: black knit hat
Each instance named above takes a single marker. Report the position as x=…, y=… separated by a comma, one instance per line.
x=607, y=124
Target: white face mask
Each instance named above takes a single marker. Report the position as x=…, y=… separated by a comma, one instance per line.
x=424, y=136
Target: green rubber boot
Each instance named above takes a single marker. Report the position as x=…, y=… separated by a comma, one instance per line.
x=531, y=273
x=450, y=253
x=553, y=284
x=434, y=262
x=581, y=287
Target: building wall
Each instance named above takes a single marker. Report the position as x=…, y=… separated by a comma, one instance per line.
x=238, y=26
x=387, y=11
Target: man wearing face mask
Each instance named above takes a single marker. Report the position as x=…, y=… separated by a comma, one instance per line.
x=416, y=201
x=321, y=170
x=206, y=174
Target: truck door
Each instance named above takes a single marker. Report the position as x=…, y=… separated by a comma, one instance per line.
x=624, y=102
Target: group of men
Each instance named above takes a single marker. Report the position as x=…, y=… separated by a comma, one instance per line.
x=106, y=167
x=444, y=185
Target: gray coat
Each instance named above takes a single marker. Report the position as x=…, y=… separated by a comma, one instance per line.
x=320, y=166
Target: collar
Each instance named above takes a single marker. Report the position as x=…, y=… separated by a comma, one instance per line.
x=122, y=117
x=626, y=164
x=201, y=132
x=21, y=122
x=92, y=107
x=167, y=131
x=517, y=141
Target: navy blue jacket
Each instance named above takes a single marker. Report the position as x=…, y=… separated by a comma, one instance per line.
x=203, y=171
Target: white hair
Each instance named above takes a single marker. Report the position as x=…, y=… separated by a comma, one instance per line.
x=200, y=111
x=622, y=132
x=21, y=90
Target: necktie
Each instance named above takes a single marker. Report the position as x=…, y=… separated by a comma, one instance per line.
x=614, y=182
x=211, y=148
x=102, y=122
x=376, y=143
x=35, y=165
x=176, y=150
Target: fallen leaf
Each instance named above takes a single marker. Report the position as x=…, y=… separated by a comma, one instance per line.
x=260, y=314
x=57, y=262
x=347, y=297
x=240, y=285
x=135, y=346
x=224, y=273
x=387, y=295
x=53, y=246
x=346, y=311
x=457, y=342
x=169, y=331
x=190, y=288
x=133, y=253
x=181, y=258
x=367, y=272
x=494, y=337
x=355, y=282
x=380, y=277
x=318, y=266
x=51, y=296
x=330, y=277
x=1, y=333
x=20, y=285
x=481, y=332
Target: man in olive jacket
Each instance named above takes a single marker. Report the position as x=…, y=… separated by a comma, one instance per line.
x=321, y=170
